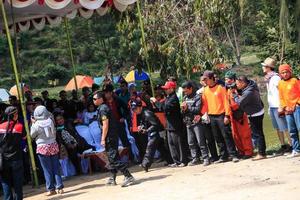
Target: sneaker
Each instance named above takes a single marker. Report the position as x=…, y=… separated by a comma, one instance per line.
x=129, y=180
x=206, y=162
x=235, y=159
x=194, y=162
x=173, y=165
x=259, y=157
x=221, y=160
x=51, y=193
x=111, y=181
x=60, y=191
x=182, y=165
x=294, y=154
x=282, y=150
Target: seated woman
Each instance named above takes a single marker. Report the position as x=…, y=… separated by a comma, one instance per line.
x=73, y=142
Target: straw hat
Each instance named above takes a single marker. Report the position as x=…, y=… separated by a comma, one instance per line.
x=269, y=62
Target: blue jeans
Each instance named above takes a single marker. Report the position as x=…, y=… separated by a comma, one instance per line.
x=50, y=165
x=12, y=177
x=293, y=122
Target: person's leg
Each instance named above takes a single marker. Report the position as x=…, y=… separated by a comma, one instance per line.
x=236, y=135
x=257, y=128
x=164, y=141
x=150, y=151
x=55, y=168
x=245, y=133
x=182, y=146
x=293, y=131
x=17, y=176
x=6, y=182
x=173, y=148
x=297, y=123
x=218, y=137
x=193, y=143
x=124, y=139
x=48, y=173
x=201, y=140
x=275, y=119
x=211, y=142
x=227, y=135
x=72, y=155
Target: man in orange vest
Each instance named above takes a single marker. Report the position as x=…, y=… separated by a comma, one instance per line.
x=289, y=95
x=215, y=102
x=241, y=131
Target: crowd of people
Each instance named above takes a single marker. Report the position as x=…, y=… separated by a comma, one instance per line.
x=213, y=121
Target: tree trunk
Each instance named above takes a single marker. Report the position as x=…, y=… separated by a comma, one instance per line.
x=237, y=45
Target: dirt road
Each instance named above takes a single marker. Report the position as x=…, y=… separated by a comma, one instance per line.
x=271, y=179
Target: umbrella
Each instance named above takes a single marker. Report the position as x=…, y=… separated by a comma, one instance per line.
x=82, y=81
x=14, y=91
x=134, y=75
x=4, y=95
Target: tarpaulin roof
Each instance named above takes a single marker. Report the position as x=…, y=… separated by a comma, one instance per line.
x=36, y=13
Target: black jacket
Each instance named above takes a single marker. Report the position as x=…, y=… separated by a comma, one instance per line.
x=150, y=122
x=193, y=102
x=249, y=99
x=173, y=113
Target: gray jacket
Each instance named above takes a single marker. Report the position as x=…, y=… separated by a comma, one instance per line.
x=250, y=101
x=43, y=130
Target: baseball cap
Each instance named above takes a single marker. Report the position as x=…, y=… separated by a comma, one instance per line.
x=169, y=85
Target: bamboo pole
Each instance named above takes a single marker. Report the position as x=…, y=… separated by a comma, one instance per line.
x=14, y=65
x=144, y=44
x=66, y=22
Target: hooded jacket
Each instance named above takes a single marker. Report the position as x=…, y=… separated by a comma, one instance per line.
x=250, y=101
x=150, y=122
x=43, y=129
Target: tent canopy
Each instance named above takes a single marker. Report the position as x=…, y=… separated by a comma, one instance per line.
x=4, y=95
x=82, y=81
x=29, y=14
x=13, y=90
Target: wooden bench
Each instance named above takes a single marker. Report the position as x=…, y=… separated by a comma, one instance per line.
x=101, y=158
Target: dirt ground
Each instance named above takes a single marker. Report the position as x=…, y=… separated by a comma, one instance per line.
x=271, y=179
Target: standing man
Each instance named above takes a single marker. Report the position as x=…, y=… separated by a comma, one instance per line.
x=10, y=146
x=215, y=102
x=151, y=126
x=175, y=127
x=278, y=120
x=241, y=131
x=191, y=107
x=250, y=102
x=110, y=141
x=289, y=94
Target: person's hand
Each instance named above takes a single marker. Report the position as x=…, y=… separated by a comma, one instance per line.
x=289, y=110
x=103, y=143
x=226, y=120
x=184, y=106
x=122, y=120
x=33, y=120
x=153, y=99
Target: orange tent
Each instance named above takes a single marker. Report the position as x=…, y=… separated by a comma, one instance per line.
x=13, y=91
x=82, y=81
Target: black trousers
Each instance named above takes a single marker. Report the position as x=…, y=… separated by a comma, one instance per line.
x=197, y=141
x=176, y=145
x=124, y=139
x=223, y=136
x=141, y=141
x=72, y=154
x=257, y=130
x=155, y=142
x=210, y=142
x=115, y=164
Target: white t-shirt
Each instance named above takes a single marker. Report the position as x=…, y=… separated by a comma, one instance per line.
x=273, y=94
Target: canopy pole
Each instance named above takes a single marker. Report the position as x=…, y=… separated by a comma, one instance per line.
x=13, y=60
x=70, y=51
x=144, y=44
